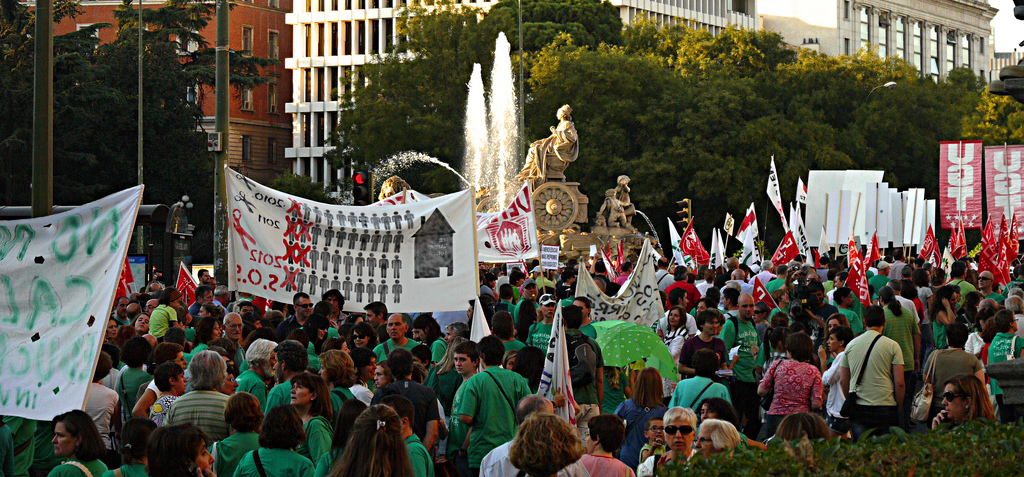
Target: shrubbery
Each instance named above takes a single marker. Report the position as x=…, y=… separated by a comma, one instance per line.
x=977, y=448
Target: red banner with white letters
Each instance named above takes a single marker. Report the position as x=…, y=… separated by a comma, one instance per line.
x=960, y=184
x=1004, y=178
x=761, y=295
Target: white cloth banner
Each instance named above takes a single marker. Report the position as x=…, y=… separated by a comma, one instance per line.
x=673, y=235
x=478, y=328
x=409, y=196
x=509, y=235
x=555, y=377
x=774, y=196
x=750, y=255
x=58, y=275
x=414, y=257
x=638, y=299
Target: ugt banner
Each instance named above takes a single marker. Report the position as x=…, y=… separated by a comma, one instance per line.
x=412, y=257
x=638, y=299
x=1003, y=173
x=58, y=275
x=511, y=234
x=960, y=184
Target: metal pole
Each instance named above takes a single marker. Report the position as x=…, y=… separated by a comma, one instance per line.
x=140, y=94
x=220, y=246
x=42, y=112
x=522, y=118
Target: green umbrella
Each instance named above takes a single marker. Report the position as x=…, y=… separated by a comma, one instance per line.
x=624, y=342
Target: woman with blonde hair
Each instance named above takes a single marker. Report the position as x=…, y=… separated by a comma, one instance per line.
x=338, y=370
x=645, y=404
x=717, y=437
x=965, y=398
x=544, y=445
x=680, y=429
x=381, y=452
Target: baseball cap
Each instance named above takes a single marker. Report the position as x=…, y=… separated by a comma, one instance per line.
x=536, y=269
x=548, y=300
x=528, y=282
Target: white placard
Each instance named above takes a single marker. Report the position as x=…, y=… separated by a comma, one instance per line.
x=842, y=206
x=877, y=211
x=820, y=183
x=896, y=220
x=914, y=217
x=549, y=257
x=58, y=275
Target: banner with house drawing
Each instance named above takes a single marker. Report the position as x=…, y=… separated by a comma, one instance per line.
x=413, y=257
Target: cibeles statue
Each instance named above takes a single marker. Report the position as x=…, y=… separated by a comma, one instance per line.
x=549, y=157
x=617, y=211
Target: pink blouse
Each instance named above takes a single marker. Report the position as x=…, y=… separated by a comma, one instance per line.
x=796, y=386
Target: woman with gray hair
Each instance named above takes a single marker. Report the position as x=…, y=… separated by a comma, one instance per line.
x=261, y=357
x=204, y=406
x=1015, y=304
x=680, y=426
x=716, y=437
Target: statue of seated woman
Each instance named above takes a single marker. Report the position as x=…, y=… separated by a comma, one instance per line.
x=555, y=152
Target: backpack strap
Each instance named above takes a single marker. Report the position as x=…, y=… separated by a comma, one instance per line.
x=867, y=358
x=118, y=472
x=387, y=349
x=259, y=464
x=80, y=466
x=503, y=393
x=701, y=394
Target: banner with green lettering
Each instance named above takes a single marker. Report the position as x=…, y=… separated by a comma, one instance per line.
x=58, y=275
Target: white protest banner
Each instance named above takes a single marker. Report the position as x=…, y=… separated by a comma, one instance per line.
x=509, y=235
x=773, y=194
x=555, y=378
x=673, y=236
x=478, y=328
x=407, y=196
x=638, y=299
x=549, y=257
x=514, y=265
x=412, y=257
x=58, y=275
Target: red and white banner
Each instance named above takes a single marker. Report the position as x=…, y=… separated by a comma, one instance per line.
x=930, y=248
x=406, y=196
x=761, y=295
x=186, y=285
x=989, y=256
x=749, y=222
x=787, y=249
x=801, y=191
x=124, y=287
x=1003, y=173
x=693, y=251
x=857, y=280
x=874, y=253
x=957, y=247
x=555, y=379
x=509, y=235
x=1014, y=244
x=773, y=194
x=1003, y=262
x=960, y=184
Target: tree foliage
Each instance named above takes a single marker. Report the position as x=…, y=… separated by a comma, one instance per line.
x=589, y=22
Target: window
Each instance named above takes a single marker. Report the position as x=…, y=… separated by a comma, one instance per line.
x=374, y=37
x=933, y=50
x=273, y=48
x=361, y=36
x=965, y=51
x=247, y=40
x=346, y=29
x=274, y=4
x=865, y=32
x=246, y=148
x=389, y=33
x=918, y=45
x=846, y=10
x=883, y=36
x=247, y=98
x=950, y=51
x=308, y=83
x=319, y=39
x=846, y=46
x=334, y=39
x=308, y=30
x=272, y=97
x=272, y=150
x=901, y=41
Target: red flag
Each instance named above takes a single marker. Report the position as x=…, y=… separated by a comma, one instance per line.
x=691, y=247
x=957, y=243
x=817, y=257
x=930, y=248
x=749, y=220
x=621, y=258
x=1014, y=245
x=989, y=256
x=761, y=295
x=787, y=249
x=186, y=285
x=857, y=280
x=124, y=284
x=609, y=266
x=874, y=253
x=1003, y=263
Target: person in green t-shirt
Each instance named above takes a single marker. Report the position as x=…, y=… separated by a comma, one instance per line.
x=311, y=400
x=540, y=333
x=426, y=330
x=77, y=440
x=1005, y=346
x=281, y=432
x=739, y=332
x=262, y=357
x=135, y=354
x=291, y=361
x=502, y=327
x=350, y=411
x=943, y=312
x=244, y=416
x=446, y=378
x=134, y=436
x=844, y=299
x=24, y=431
x=422, y=464
x=397, y=327
x=165, y=315
x=586, y=305
x=380, y=425
x=989, y=289
x=488, y=403
x=957, y=272
x=880, y=279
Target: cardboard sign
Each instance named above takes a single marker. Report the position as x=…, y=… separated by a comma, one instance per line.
x=549, y=257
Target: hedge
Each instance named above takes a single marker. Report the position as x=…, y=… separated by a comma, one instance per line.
x=976, y=448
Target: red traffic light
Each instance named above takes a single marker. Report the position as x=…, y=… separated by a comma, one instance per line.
x=358, y=178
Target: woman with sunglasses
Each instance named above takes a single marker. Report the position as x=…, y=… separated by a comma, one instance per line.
x=680, y=424
x=363, y=336
x=965, y=398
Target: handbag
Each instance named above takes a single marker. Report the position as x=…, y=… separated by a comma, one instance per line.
x=850, y=405
x=923, y=398
x=766, y=400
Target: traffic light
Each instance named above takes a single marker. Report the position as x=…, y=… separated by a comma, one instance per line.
x=685, y=214
x=362, y=187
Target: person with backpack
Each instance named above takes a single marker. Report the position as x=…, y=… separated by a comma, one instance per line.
x=586, y=367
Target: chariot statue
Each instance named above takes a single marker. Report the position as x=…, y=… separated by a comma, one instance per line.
x=559, y=205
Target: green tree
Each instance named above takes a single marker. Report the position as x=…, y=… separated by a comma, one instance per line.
x=996, y=120
x=302, y=186
x=589, y=22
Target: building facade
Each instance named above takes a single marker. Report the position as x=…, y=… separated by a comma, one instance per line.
x=260, y=129
x=710, y=15
x=936, y=36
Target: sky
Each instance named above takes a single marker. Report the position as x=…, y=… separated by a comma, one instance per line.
x=1009, y=31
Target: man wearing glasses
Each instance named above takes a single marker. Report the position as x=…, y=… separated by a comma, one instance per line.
x=710, y=323
x=303, y=307
x=987, y=285
x=739, y=332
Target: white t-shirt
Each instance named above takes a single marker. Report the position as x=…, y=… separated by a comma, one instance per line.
x=361, y=393
x=100, y=407
x=835, y=393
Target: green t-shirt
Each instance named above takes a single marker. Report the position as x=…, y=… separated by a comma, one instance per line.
x=746, y=338
x=132, y=470
x=251, y=382
x=457, y=430
x=589, y=330
x=774, y=284
x=688, y=391
x=494, y=421
x=276, y=462
x=998, y=351
x=613, y=397
x=231, y=450
x=856, y=322
x=160, y=320
x=998, y=297
x=539, y=336
x=514, y=345
x=190, y=335
x=382, y=355
x=198, y=349
x=323, y=466
x=965, y=288
x=515, y=313
x=422, y=464
x=878, y=281
x=44, y=458
x=24, y=430
x=127, y=388
x=6, y=451
x=318, y=439
x=437, y=350
x=280, y=394
x=96, y=467
x=445, y=387
x=902, y=329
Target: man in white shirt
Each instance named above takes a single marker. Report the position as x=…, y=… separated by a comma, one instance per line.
x=767, y=273
x=497, y=464
x=896, y=286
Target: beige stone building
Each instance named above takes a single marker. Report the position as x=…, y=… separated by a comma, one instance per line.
x=935, y=35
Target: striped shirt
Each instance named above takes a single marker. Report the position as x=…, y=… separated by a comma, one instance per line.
x=204, y=409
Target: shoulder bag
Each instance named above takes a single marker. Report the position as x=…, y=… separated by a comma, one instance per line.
x=923, y=398
x=766, y=400
x=259, y=463
x=850, y=405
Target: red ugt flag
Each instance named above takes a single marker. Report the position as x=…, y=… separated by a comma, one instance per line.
x=1003, y=263
x=186, y=285
x=857, y=280
x=761, y=295
x=123, y=288
x=691, y=247
x=987, y=259
x=787, y=249
x=930, y=248
x=957, y=243
x=874, y=253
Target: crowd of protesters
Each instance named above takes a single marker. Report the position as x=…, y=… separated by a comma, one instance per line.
x=238, y=386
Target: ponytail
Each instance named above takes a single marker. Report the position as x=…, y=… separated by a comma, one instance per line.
x=887, y=295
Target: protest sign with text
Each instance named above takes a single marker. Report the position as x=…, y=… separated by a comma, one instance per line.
x=1003, y=174
x=960, y=184
x=638, y=300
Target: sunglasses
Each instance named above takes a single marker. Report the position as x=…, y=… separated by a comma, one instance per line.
x=949, y=395
x=360, y=337
x=672, y=430
x=307, y=305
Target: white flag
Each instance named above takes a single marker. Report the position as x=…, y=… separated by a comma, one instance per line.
x=556, y=371
x=479, y=326
x=801, y=191
x=750, y=255
x=773, y=194
x=822, y=245
x=716, y=253
x=797, y=224
x=673, y=235
x=749, y=223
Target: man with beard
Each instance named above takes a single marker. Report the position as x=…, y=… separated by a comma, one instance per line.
x=233, y=331
x=291, y=361
x=262, y=359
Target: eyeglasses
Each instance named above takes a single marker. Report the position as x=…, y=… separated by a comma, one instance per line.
x=984, y=279
x=359, y=337
x=307, y=305
x=656, y=428
x=950, y=395
x=672, y=430
x=704, y=440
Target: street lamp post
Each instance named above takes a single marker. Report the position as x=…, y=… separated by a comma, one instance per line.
x=889, y=85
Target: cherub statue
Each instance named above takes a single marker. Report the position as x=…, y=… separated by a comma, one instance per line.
x=612, y=213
